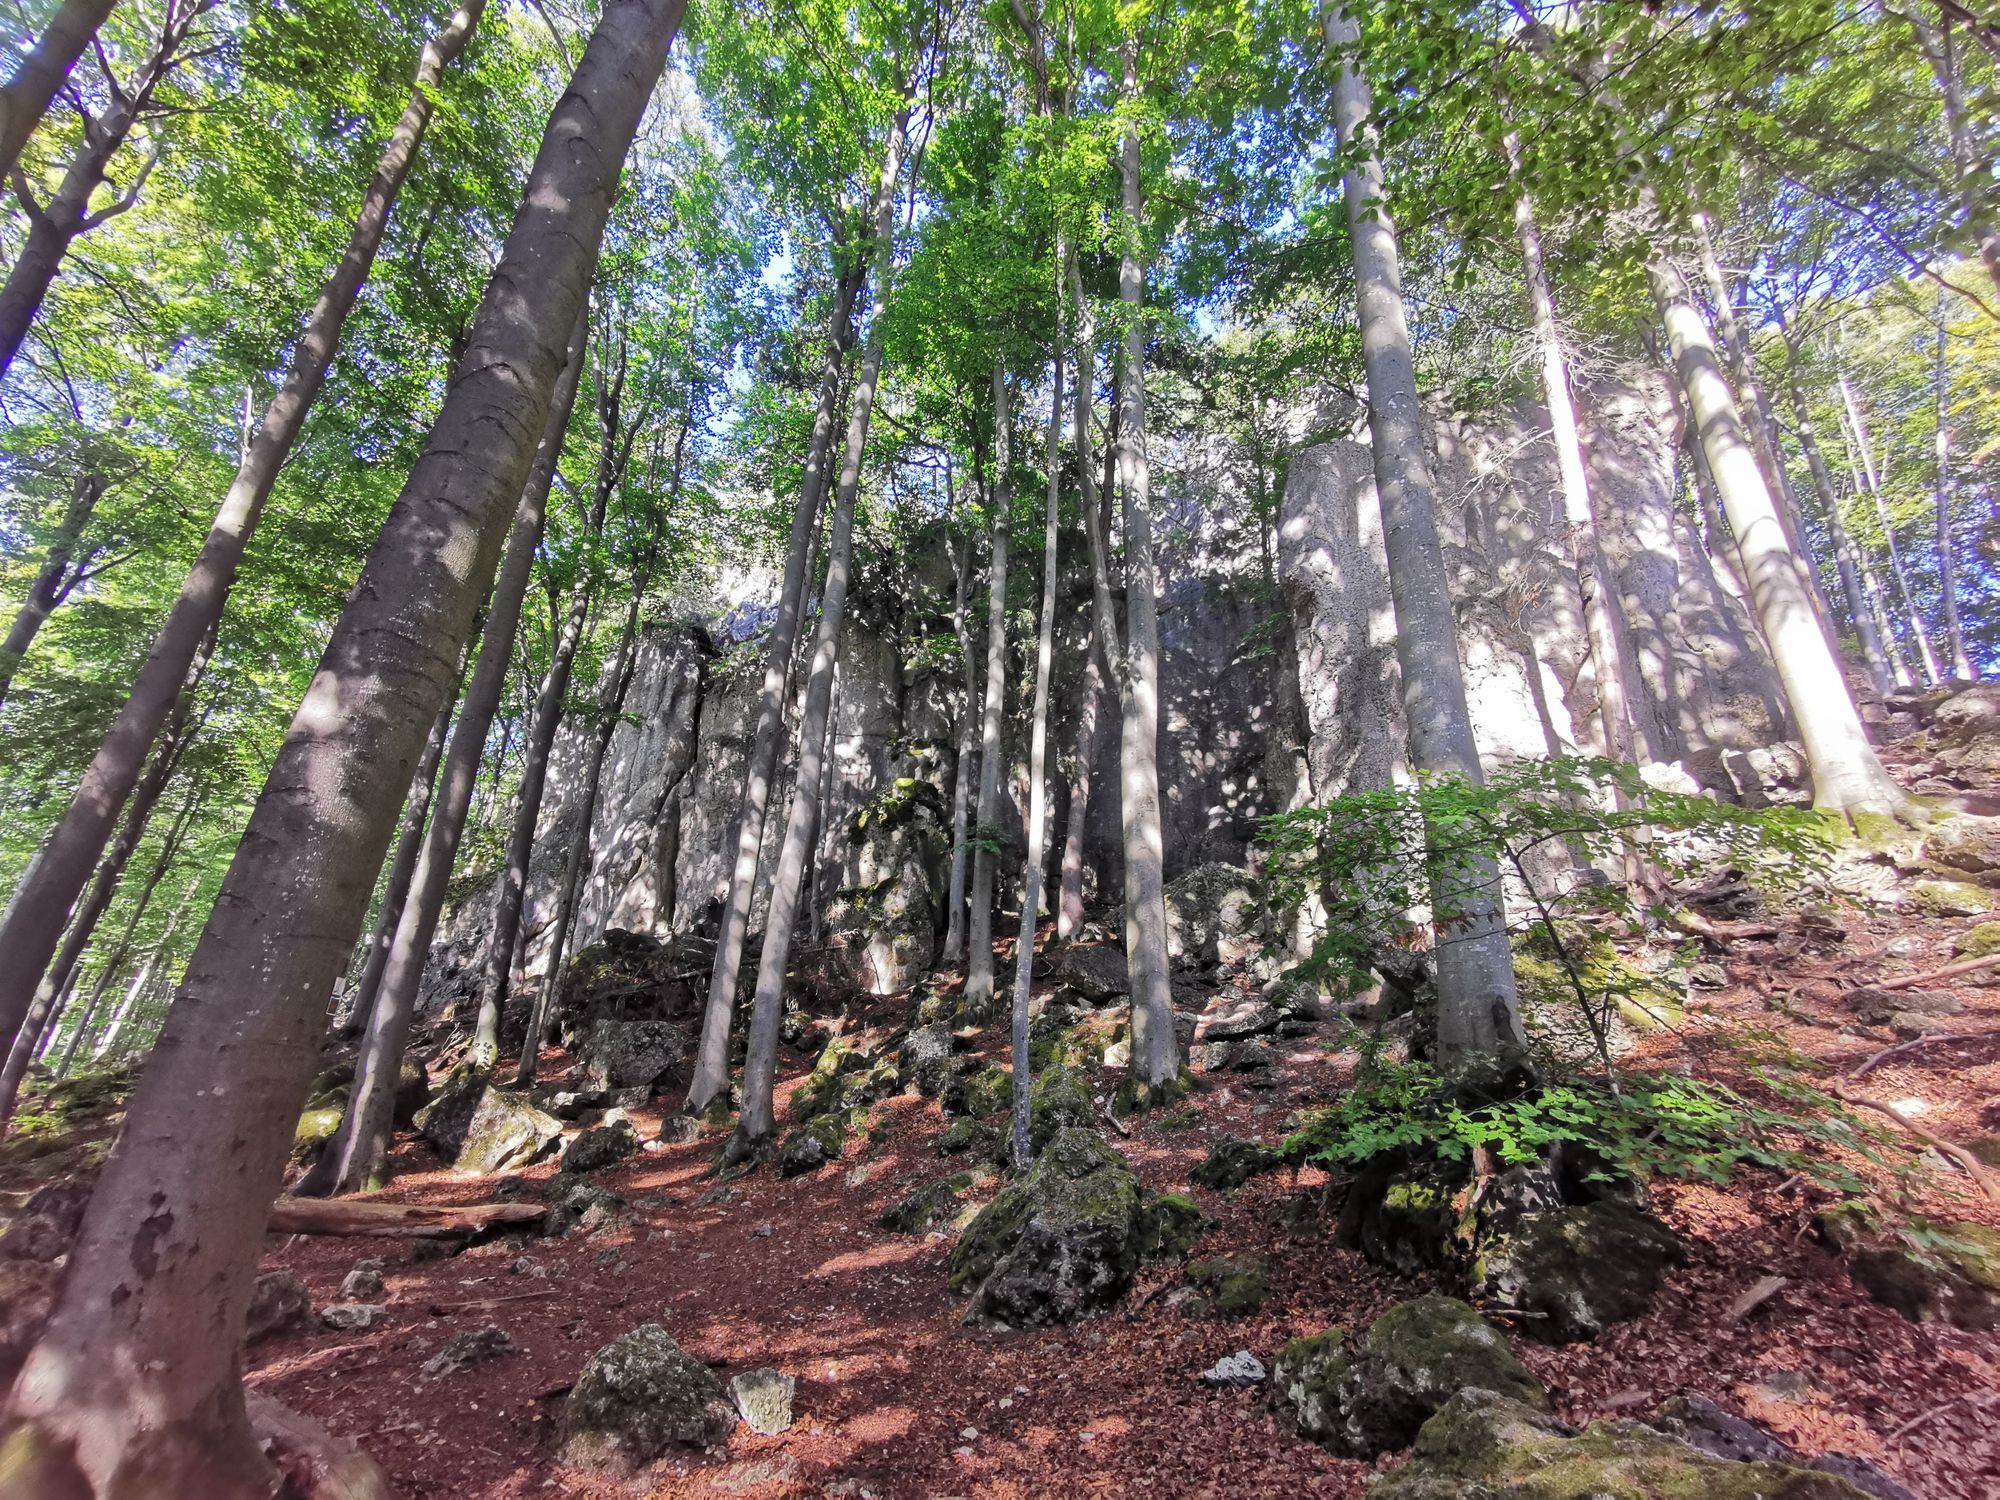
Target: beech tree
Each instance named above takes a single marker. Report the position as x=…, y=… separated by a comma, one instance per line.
x=29, y=90
x=284, y=926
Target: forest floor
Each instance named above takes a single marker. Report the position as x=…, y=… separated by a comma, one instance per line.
x=896, y=1397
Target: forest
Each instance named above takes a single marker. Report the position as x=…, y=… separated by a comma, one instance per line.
x=877, y=748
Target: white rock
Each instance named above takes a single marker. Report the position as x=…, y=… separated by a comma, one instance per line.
x=1233, y=1370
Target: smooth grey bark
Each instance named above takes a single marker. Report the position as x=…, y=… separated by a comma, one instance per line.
x=402, y=868
x=711, y=1072
x=1919, y=631
x=1038, y=765
x=144, y=979
x=1155, y=1066
x=353, y=1158
x=614, y=456
x=1848, y=779
x=962, y=771
x=1479, y=1023
x=135, y=1385
x=58, y=873
x=978, y=1001
x=1947, y=565
x=1610, y=650
x=757, y=1122
x=1935, y=44
x=29, y=90
x=1845, y=558
x=61, y=572
x=611, y=704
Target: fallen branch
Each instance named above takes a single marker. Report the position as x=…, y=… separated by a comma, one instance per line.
x=1765, y=1288
x=442, y=1309
x=1973, y=1167
x=1722, y=932
x=1911, y=981
x=1923, y=1041
x=406, y=1220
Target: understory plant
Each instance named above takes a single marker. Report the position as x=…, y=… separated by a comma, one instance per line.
x=1588, y=851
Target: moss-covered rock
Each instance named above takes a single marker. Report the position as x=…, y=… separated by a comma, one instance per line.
x=318, y=1124
x=924, y=1060
x=639, y=1396
x=1215, y=914
x=977, y=1095
x=1577, y=1270
x=815, y=1142
x=1173, y=1223
x=1978, y=941
x=926, y=1207
x=1095, y=973
x=480, y=1128
x=963, y=1135
x=1309, y=1375
x=603, y=1146
x=1940, y=1273
x=1058, y=1245
x=629, y=1054
x=1950, y=898
x=1233, y=1161
x=1483, y=1444
x=1057, y=1100
x=1415, y=1358
x=1231, y=1286
x=1411, y=1226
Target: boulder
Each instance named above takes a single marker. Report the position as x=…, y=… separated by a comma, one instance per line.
x=603, y=1146
x=472, y=1346
x=1061, y=1243
x=924, y=1059
x=630, y=1054
x=480, y=1128
x=1230, y=1286
x=413, y=1090
x=638, y=1396
x=623, y=976
x=1978, y=941
x=1707, y=1428
x=845, y=1077
x=1094, y=972
x=882, y=928
x=575, y=1203
x=1877, y=1007
x=279, y=1304
x=47, y=1223
x=1945, y=1273
x=764, y=1398
x=1965, y=843
x=1215, y=915
x=1233, y=1161
x=977, y=1095
x=1950, y=898
x=1231, y=1017
x=812, y=1144
x=1238, y=1371
x=1173, y=1223
x=924, y=1208
x=352, y=1317
x=1412, y=1360
x=1969, y=716
x=1577, y=1269
x=1481, y=1443
x=964, y=1135
x=1057, y=1100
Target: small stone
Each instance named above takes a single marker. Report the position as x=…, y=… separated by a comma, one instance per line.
x=764, y=1400
x=1708, y=977
x=363, y=1283
x=761, y=1232
x=474, y=1346
x=970, y=1434
x=279, y=1304
x=352, y=1317
x=1235, y=1371
x=678, y=1130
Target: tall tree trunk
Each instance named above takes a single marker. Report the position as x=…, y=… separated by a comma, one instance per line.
x=60, y=870
x=1947, y=564
x=711, y=1073
x=1038, y=757
x=53, y=227
x=1845, y=557
x=143, y=980
x=1908, y=599
x=1935, y=43
x=985, y=856
x=614, y=453
x=354, y=1157
x=1610, y=652
x=26, y=96
x=610, y=705
x=1761, y=423
x=59, y=574
x=1848, y=779
x=1155, y=1067
x=1101, y=640
x=757, y=1122
x=135, y=1384
x=403, y=867
x=1479, y=1023
x=961, y=780
x=46, y=1003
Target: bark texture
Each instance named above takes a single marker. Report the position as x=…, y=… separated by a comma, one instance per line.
x=979, y=927
x=135, y=1384
x=1478, y=1013
x=26, y=95
x=63, y=865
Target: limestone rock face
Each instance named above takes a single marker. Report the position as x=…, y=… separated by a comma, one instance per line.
x=884, y=925
x=638, y=1397
x=480, y=1128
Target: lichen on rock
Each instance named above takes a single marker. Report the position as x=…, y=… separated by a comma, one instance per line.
x=638, y=1396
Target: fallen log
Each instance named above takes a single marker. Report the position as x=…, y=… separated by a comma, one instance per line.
x=1911, y=981
x=423, y=1221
